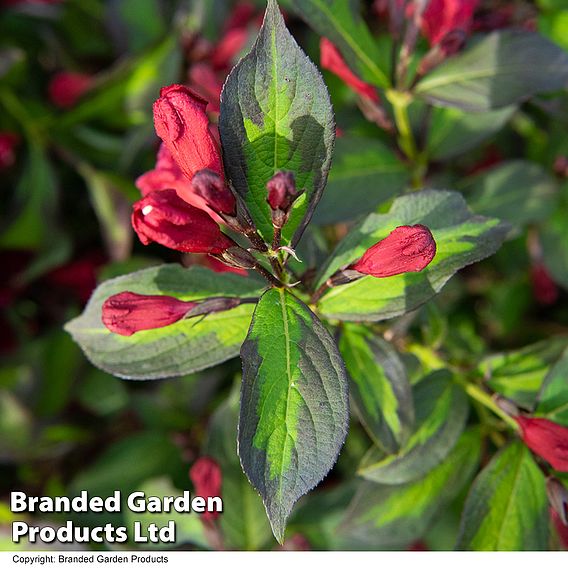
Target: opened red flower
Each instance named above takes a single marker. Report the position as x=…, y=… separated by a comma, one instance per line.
x=206, y=477
x=546, y=439
x=442, y=17
x=128, y=312
x=163, y=217
x=409, y=248
x=332, y=60
x=182, y=124
x=66, y=88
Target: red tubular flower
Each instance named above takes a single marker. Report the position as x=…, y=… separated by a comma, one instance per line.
x=331, y=59
x=181, y=122
x=66, y=88
x=216, y=194
x=546, y=439
x=127, y=312
x=206, y=477
x=442, y=17
x=8, y=142
x=561, y=528
x=409, y=248
x=165, y=218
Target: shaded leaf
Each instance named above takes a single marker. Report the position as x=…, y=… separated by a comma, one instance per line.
x=554, y=240
x=518, y=375
x=441, y=409
x=294, y=405
x=184, y=347
x=397, y=515
x=365, y=173
x=517, y=191
x=379, y=387
x=453, y=132
x=243, y=522
x=341, y=22
x=276, y=115
x=506, y=508
x=501, y=69
x=461, y=239
x=553, y=397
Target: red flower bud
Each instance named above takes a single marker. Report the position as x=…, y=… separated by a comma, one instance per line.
x=212, y=188
x=8, y=142
x=65, y=88
x=546, y=439
x=206, y=477
x=331, y=59
x=165, y=218
x=281, y=191
x=544, y=288
x=409, y=248
x=127, y=312
x=181, y=122
x=444, y=16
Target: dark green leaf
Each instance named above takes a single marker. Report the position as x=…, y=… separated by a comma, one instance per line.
x=364, y=174
x=506, y=508
x=379, y=387
x=397, y=515
x=243, y=522
x=184, y=347
x=517, y=191
x=461, y=238
x=453, y=132
x=126, y=464
x=276, y=115
x=553, y=397
x=294, y=404
x=501, y=69
x=341, y=22
x=441, y=413
x=554, y=240
x=518, y=375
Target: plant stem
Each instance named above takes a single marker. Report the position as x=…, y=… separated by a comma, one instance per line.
x=486, y=400
x=268, y=276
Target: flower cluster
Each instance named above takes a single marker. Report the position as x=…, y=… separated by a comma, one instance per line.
x=188, y=206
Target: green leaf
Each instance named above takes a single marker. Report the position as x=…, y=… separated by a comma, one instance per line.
x=126, y=464
x=553, y=397
x=341, y=22
x=554, y=240
x=461, y=238
x=441, y=413
x=189, y=527
x=184, y=347
x=379, y=387
x=518, y=375
x=276, y=115
x=365, y=173
x=506, y=508
x=113, y=211
x=243, y=523
x=501, y=69
x=294, y=405
x=396, y=515
x=516, y=191
x=453, y=132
